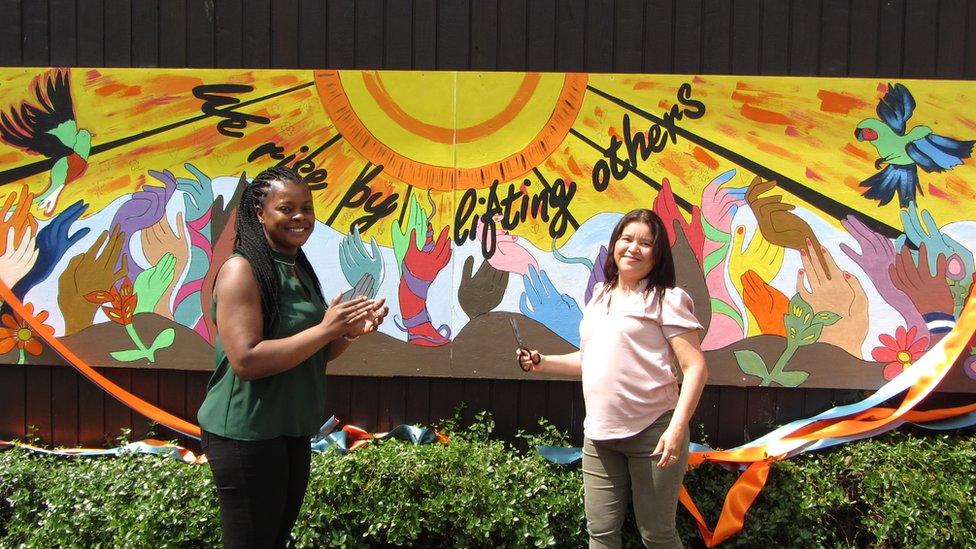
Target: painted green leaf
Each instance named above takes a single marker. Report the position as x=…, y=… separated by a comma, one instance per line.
x=792, y=379
x=163, y=340
x=826, y=318
x=130, y=355
x=799, y=308
x=751, y=363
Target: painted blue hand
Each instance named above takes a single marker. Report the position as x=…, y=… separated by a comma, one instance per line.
x=52, y=242
x=198, y=195
x=542, y=302
x=355, y=261
x=922, y=229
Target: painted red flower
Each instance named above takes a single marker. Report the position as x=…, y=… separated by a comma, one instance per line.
x=15, y=332
x=121, y=302
x=899, y=352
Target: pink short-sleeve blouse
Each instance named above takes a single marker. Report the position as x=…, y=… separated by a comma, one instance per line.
x=628, y=365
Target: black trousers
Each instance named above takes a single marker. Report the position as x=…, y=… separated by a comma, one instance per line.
x=260, y=484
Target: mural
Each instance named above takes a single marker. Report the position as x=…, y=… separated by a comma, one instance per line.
x=824, y=227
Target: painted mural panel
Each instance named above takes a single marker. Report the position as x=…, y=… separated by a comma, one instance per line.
x=824, y=227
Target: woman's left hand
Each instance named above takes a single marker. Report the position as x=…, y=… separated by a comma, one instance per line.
x=372, y=320
x=669, y=445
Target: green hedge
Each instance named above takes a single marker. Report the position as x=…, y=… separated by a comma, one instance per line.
x=899, y=490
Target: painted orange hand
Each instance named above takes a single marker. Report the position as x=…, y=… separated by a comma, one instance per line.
x=21, y=220
x=767, y=304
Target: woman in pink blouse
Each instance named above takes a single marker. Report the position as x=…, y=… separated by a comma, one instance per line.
x=637, y=328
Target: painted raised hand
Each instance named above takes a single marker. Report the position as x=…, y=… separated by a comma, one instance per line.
x=483, y=291
x=144, y=209
x=766, y=304
x=542, y=302
x=17, y=258
x=929, y=292
x=413, y=230
x=719, y=205
x=509, y=256
x=16, y=215
x=596, y=273
x=198, y=194
x=420, y=268
x=88, y=272
x=776, y=221
x=53, y=240
x=355, y=261
x=153, y=284
x=876, y=256
x=759, y=256
x=921, y=229
x=158, y=240
x=666, y=207
x=835, y=291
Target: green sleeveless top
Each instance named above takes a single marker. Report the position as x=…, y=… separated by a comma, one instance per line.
x=290, y=403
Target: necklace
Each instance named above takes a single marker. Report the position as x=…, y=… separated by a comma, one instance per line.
x=289, y=263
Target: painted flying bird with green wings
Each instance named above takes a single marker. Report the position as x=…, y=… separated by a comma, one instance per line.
x=48, y=127
x=902, y=153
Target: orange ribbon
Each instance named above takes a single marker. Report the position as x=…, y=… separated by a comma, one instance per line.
x=147, y=409
x=750, y=483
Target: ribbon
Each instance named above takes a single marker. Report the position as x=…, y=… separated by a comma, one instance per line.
x=146, y=446
x=148, y=410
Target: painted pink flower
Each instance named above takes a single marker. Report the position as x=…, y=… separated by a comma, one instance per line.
x=899, y=352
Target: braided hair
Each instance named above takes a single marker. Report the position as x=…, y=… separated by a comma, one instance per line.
x=251, y=243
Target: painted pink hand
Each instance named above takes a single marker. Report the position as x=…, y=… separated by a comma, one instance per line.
x=509, y=256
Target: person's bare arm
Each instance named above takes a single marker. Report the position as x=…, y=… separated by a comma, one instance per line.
x=687, y=349
x=240, y=325
x=564, y=365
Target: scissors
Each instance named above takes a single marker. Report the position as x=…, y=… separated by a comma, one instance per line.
x=521, y=344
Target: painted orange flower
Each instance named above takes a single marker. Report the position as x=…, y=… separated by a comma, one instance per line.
x=122, y=302
x=899, y=352
x=16, y=333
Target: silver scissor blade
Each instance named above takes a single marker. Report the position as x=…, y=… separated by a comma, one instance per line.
x=515, y=330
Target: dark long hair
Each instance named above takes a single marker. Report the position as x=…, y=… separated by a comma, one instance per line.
x=662, y=274
x=251, y=242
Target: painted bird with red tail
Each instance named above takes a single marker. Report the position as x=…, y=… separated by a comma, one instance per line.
x=47, y=127
x=902, y=153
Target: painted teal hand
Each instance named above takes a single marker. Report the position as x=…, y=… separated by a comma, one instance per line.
x=198, y=194
x=355, y=261
x=416, y=222
x=543, y=303
x=152, y=283
x=922, y=229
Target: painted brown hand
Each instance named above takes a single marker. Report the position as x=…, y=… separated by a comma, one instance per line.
x=483, y=291
x=767, y=304
x=930, y=293
x=157, y=240
x=88, y=272
x=777, y=222
x=836, y=291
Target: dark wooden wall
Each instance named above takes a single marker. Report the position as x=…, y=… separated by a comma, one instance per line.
x=860, y=38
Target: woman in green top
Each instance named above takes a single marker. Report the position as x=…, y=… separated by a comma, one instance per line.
x=274, y=336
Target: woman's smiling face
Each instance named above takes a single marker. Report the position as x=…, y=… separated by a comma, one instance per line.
x=633, y=251
x=288, y=215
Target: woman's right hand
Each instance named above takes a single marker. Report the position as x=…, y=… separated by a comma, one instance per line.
x=529, y=361
x=342, y=315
